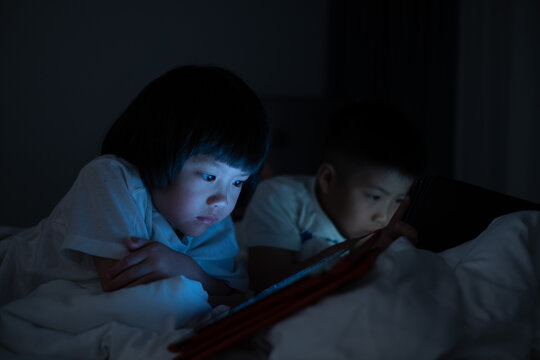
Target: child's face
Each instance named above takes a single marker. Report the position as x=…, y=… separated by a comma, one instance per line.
x=203, y=193
x=366, y=200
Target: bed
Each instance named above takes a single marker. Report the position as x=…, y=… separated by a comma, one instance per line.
x=478, y=300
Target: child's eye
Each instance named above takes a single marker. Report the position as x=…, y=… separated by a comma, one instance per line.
x=238, y=183
x=208, y=177
x=399, y=201
x=373, y=197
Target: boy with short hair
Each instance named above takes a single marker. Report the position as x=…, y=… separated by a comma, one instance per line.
x=371, y=158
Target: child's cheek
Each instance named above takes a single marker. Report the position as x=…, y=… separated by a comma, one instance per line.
x=230, y=208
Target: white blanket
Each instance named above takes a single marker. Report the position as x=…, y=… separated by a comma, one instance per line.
x=474, y=301
x=76, y=320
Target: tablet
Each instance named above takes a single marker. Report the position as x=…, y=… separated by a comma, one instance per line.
x=318, y=267
x=279, y=300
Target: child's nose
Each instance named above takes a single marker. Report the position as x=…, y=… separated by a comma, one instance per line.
x=382, y=215
x=218, y=199
x=381, y=218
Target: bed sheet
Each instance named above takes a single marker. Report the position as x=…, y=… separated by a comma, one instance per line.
x=478, y=300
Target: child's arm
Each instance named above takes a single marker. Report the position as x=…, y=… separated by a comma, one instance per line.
x=262, y=258
x=150, y=261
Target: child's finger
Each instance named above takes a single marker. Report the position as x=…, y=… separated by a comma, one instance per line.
x=125, y=263
x=135, y=243
x=404, y=229
x=129, y=276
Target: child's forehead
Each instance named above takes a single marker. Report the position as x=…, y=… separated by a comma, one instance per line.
x=210, y=161
x=202, y=159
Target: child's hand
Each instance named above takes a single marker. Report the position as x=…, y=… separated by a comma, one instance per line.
x=148, y=261
x=396, y=227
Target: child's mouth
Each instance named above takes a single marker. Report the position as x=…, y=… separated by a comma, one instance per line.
x=209, y=220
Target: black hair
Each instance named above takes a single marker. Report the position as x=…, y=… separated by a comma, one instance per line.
x=376, y=134
x=190, y=110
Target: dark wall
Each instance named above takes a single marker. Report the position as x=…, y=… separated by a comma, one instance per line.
x=498, y=107
x=403, y=52
x=69, y=68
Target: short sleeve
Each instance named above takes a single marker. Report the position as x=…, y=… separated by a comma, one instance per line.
x=271, y=217
x=107, y=204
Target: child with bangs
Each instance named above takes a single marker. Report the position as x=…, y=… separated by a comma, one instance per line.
x=156, y=204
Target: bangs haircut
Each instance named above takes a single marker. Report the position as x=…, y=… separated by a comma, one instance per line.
x=190, y=110
x=374, y=134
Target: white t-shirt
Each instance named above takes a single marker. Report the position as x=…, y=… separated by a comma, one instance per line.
x=284, y=213
x=107, y=204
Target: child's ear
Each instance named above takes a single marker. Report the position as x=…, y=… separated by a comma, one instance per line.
x=326, y=176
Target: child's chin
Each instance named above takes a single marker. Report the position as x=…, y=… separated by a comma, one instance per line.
x=199, y=231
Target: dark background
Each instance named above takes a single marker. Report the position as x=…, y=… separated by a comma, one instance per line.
x=464, y=71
